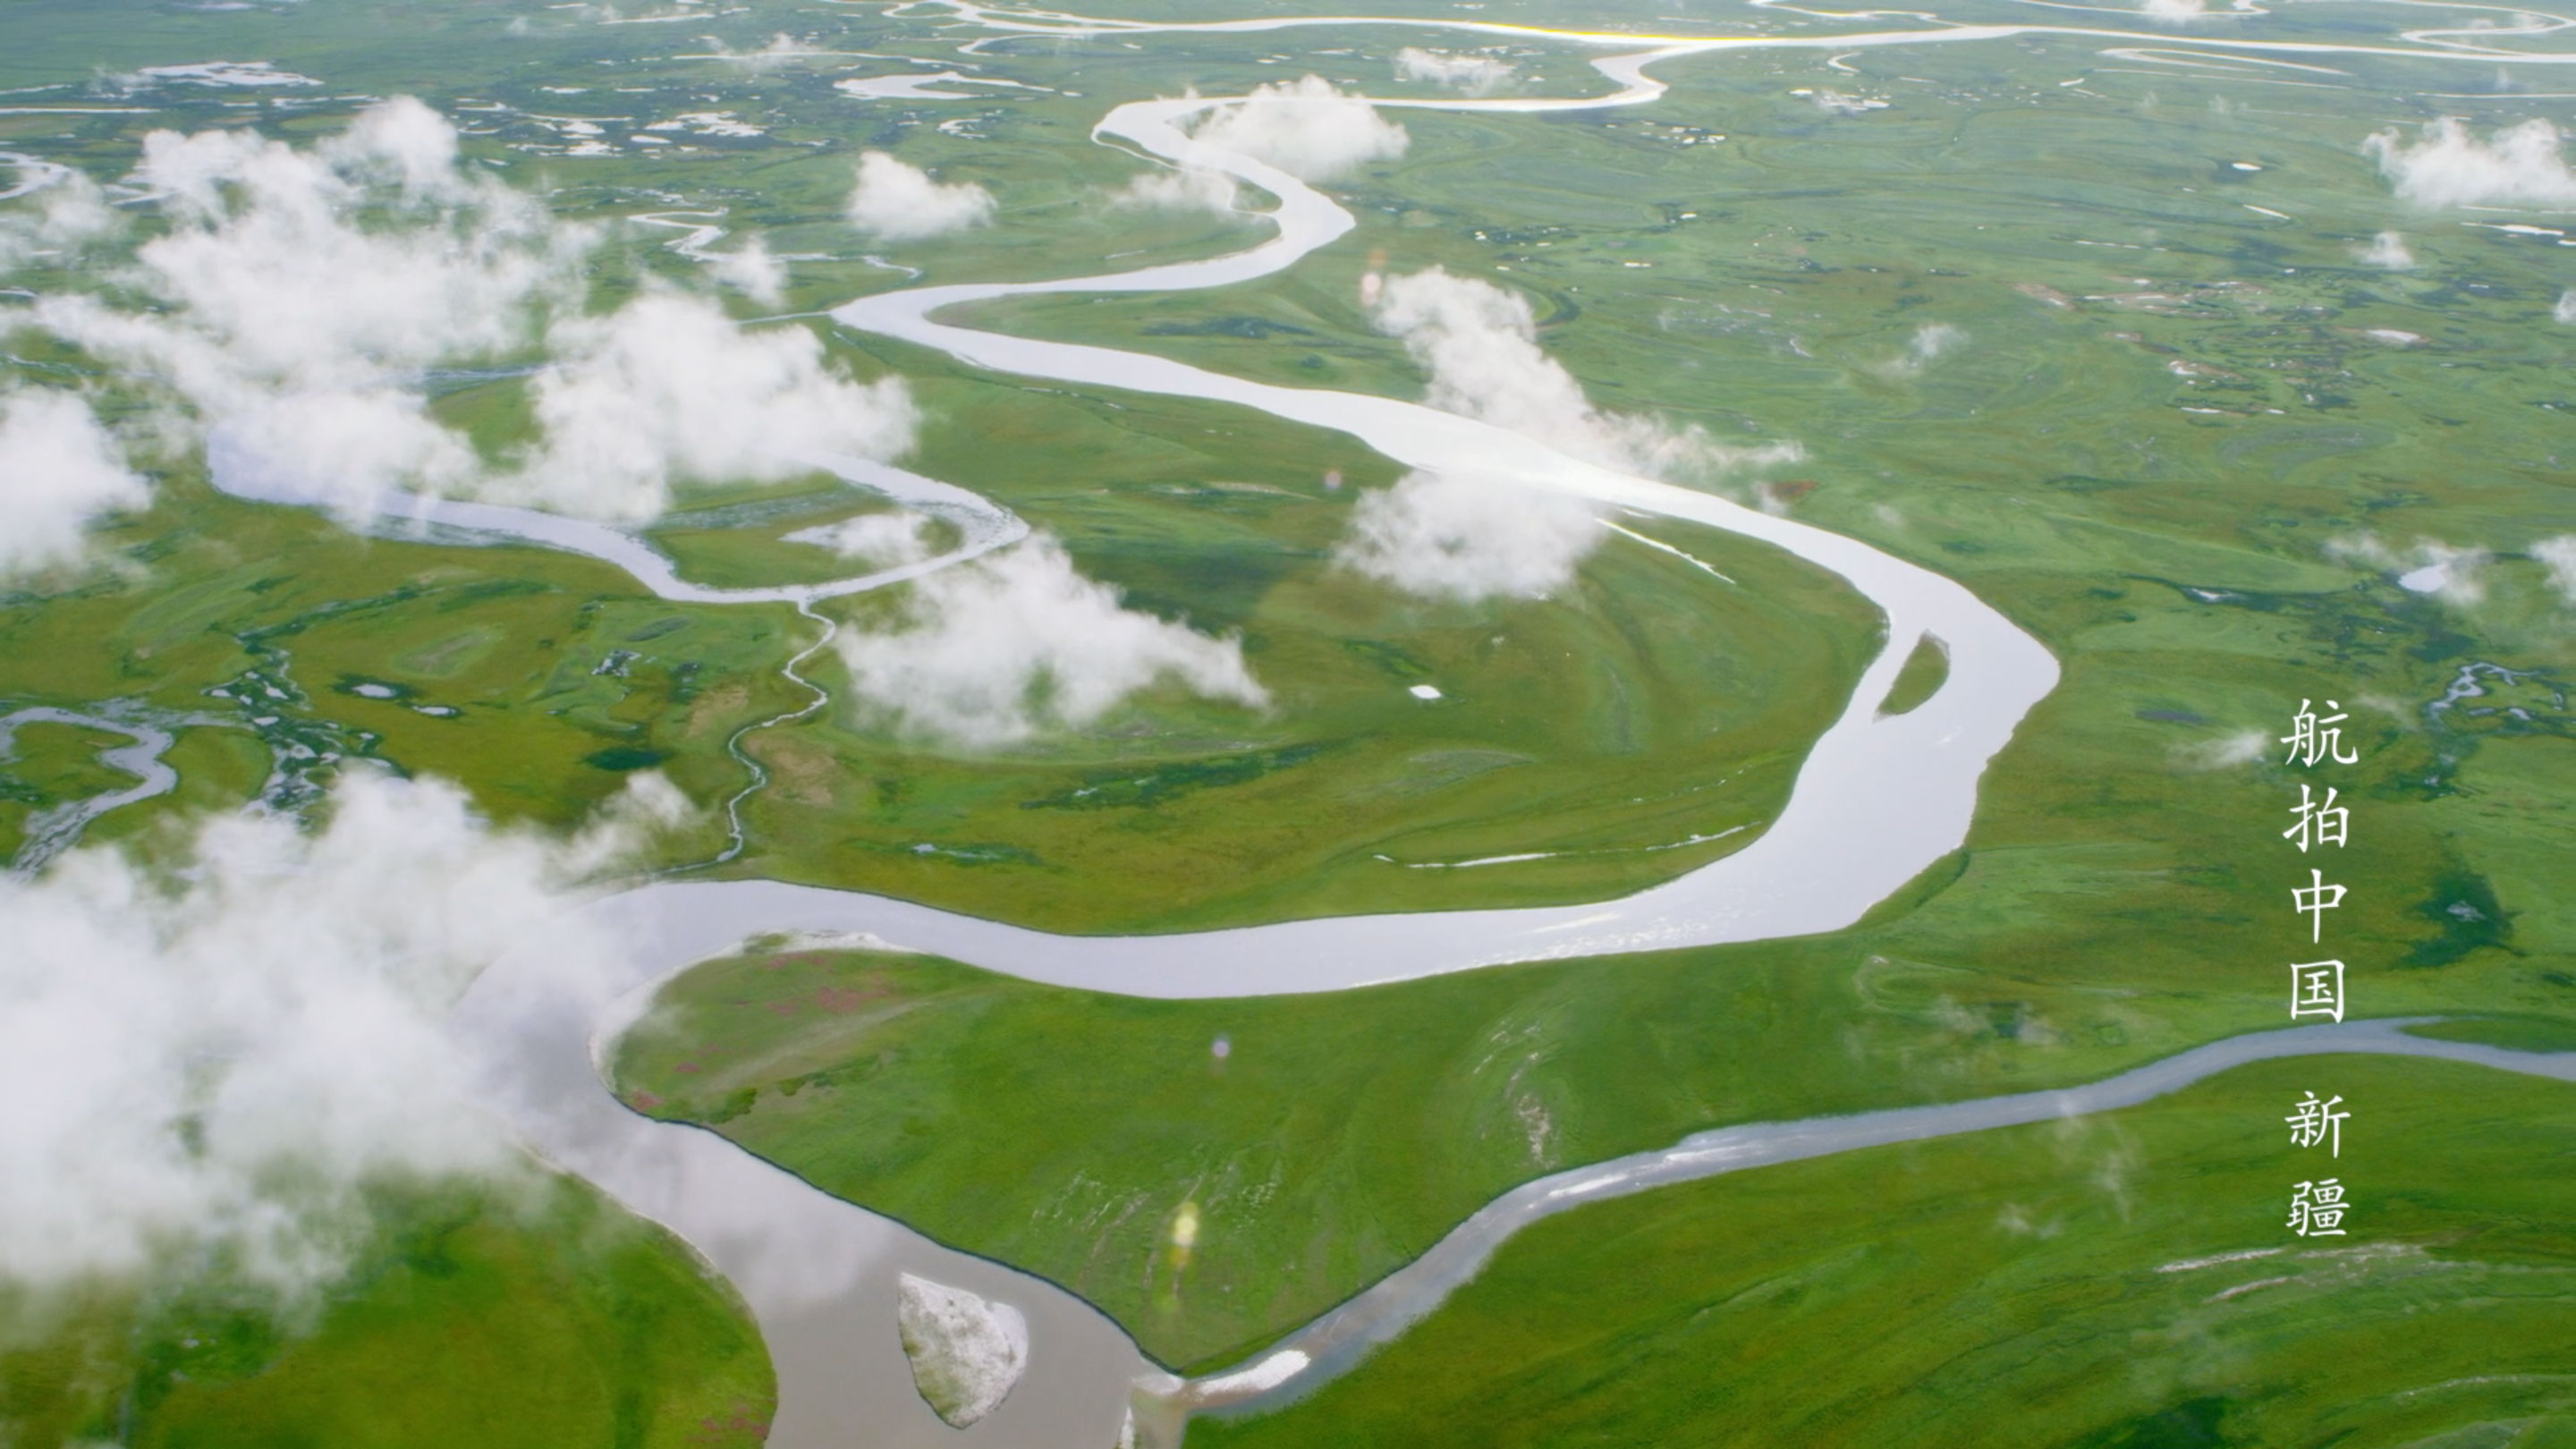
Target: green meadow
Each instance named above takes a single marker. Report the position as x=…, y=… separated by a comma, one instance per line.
x=534, y=1314
x=2120, y=1280
x=1342, y=1134
x=2084, y=331
x=2159, y=412
x=1649, y=706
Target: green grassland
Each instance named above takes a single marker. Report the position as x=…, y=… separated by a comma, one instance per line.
x=1647, y=706
x=1925, y=670
x=1170, y=812
x=539, y=1318
x=58, y=764
x=2115, y=903
x=52, y=764
x=1712, y=330
x=2096, y=459
x=742, y=544
x=480, y=665
x=2036, y=1285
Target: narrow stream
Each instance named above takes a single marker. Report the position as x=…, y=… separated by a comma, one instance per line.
x=1333, y=1343
x=52, y=831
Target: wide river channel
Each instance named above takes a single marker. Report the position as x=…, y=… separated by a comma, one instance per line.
x=1877, y=800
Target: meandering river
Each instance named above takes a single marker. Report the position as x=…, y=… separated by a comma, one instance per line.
x=1876, y=801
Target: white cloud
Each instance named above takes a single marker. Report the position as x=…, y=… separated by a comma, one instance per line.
x=669, y=389
x=59, y=471
x=2450, y=167
x=1479, y=343
x=252, y=74
x=2565, y=311
x=884, y=540
x=2560, y=554
x=1930, y=341
x=1305, y=128
x=1467, y=538
x=1443, y=536
x=404, y=142
x=2388, y=249
x=1017, y=642
x=351, y=450
x=896, y=202
x=1184, y=190
x=2173, y=9
x=68, y=212
x=2454, y=575
x=1935, y=338
x=220, y=1056
x=2242, y=747
x=1477, y=75
x=300, y=333
x=302, y=295
x=751, y=270
x=2362, y=548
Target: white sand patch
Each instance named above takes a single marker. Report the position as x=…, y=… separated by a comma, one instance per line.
x=827, y=941
x=920, y=87
x=1262, y=1377
x=1841, y=104
x=219, y=73
x=2224, y=1294
x=967, y=1352
x=2187, y=1265
x=709, y=123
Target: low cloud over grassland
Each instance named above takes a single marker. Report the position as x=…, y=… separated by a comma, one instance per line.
x=59, y=472
x=1479, y=345
x=2448, y=166
x=897, y=202
x=1181, y=190
x=1018, y=643
x=1476, y=75
x=299, y=295
x=668, y=387
x=2559, y=555
x=1469, y=538
x=2387, y=250
x=216, y=1060
x=1305, y=128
